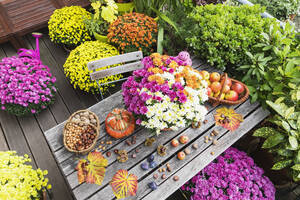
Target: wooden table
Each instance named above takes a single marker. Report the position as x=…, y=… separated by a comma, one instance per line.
x=185, y=169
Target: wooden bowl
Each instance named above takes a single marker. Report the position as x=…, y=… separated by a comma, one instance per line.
x=97, y=124
x=242, y=97
x=84, y=151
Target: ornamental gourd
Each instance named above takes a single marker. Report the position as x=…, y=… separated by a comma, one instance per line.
x=119, y=123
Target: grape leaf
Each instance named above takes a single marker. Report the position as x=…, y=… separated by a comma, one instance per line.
x=93, y=170
x=228, y=118
x=124, y=185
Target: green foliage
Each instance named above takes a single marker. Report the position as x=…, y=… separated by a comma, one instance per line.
x=273, y=71
x=281, y=9
x=222, y=34
x=283, y=141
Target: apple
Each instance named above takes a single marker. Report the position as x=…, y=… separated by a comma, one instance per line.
x=222, y=96
x=181, y=155
x=208, y=82
x=216, y=86
x=209, y=91
x=226, y=88
x=232, y=95
x=216, y=94
x=228, y=82
x=174, y=143
x=205, y=74
x=215, y=76
x=239, y=88
x=183, y=139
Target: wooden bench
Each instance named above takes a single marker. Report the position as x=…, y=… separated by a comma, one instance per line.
x=184, y=169
x=19, y=17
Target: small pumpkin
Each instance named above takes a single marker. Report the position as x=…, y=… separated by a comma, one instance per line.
x=119, y=123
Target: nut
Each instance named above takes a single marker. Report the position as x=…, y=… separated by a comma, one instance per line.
x=133, y=155
x=175, y=178
x=155, y=176
x=215, y=142
x=195, y=146
x=187, y=151
x=108, y=154
x=212, y=153
x=163, y=176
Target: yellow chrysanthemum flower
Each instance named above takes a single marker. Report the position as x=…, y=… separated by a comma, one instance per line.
x=76, y=68
x=66, y=25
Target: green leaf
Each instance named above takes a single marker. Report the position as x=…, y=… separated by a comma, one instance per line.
x=273, y=140
x=282, y=164
x=265, y=132
x=285, y=152
x=289, y=112
x=160, y=39
x=276, y=107
x=296, y=167
x=165, y=18
x=286, y=126
x=293, y=142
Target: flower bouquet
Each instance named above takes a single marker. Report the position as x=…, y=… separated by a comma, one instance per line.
x=19, y=181
x=167, y=94
x=233, y=175
x=26, y=85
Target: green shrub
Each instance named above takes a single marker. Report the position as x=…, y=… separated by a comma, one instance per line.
x=222, y=34
x=281, y=9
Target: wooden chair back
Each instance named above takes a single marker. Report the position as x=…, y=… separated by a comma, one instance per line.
x=129, y=62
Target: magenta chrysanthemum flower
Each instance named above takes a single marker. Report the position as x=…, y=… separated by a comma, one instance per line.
x=233, y=175
x=26, y=85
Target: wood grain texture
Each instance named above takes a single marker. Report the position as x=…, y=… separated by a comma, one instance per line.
x=3, y=143
x=123, y=58
x=192, y=135
x=205, y=157
x=116, y=70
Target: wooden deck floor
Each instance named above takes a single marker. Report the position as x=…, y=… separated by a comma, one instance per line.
x=24, y=134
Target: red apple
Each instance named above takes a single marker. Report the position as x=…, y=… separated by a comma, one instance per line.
x=216, y=86
x=183, y=139
x=232, y=95
x=215, y=76
x=209, y=91
x=228, y=82
x=239, y=88
x=174, y=143
x=226, y=88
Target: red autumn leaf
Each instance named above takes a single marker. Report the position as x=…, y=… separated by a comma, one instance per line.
x=124, y=185
x=228, y=118
x=93, y=170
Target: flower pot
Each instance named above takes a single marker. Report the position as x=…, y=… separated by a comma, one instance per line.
x=125, y=7
x=101, y=38
x=68, y=48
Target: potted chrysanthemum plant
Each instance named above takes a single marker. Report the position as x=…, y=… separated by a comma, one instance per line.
x=19, y=181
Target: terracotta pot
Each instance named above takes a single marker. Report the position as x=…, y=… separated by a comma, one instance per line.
x=101, y=38
x=125, y=7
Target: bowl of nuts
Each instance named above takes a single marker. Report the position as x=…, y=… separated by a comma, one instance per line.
x=82, y=117
x=80, y=138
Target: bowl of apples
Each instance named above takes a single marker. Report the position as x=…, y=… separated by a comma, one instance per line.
x=224, y=90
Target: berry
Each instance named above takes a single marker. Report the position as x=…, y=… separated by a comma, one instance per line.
x=150, y=158
x=152, y=164
x=145, y=166
x=152, y=185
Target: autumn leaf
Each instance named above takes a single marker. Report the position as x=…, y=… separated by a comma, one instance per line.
x=228, y=118
x=124, y=185
x=93, y=170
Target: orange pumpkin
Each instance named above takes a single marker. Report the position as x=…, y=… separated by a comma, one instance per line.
x=119, y=123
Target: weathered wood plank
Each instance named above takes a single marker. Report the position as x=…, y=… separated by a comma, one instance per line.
x=128, y=57
x=54, y=135
x=204, y=158
x=60, y=56
x=116, y=70
x=44, y=157
x=3, y=143
x=192, y=135
x=62, y=154
x=131, y=163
